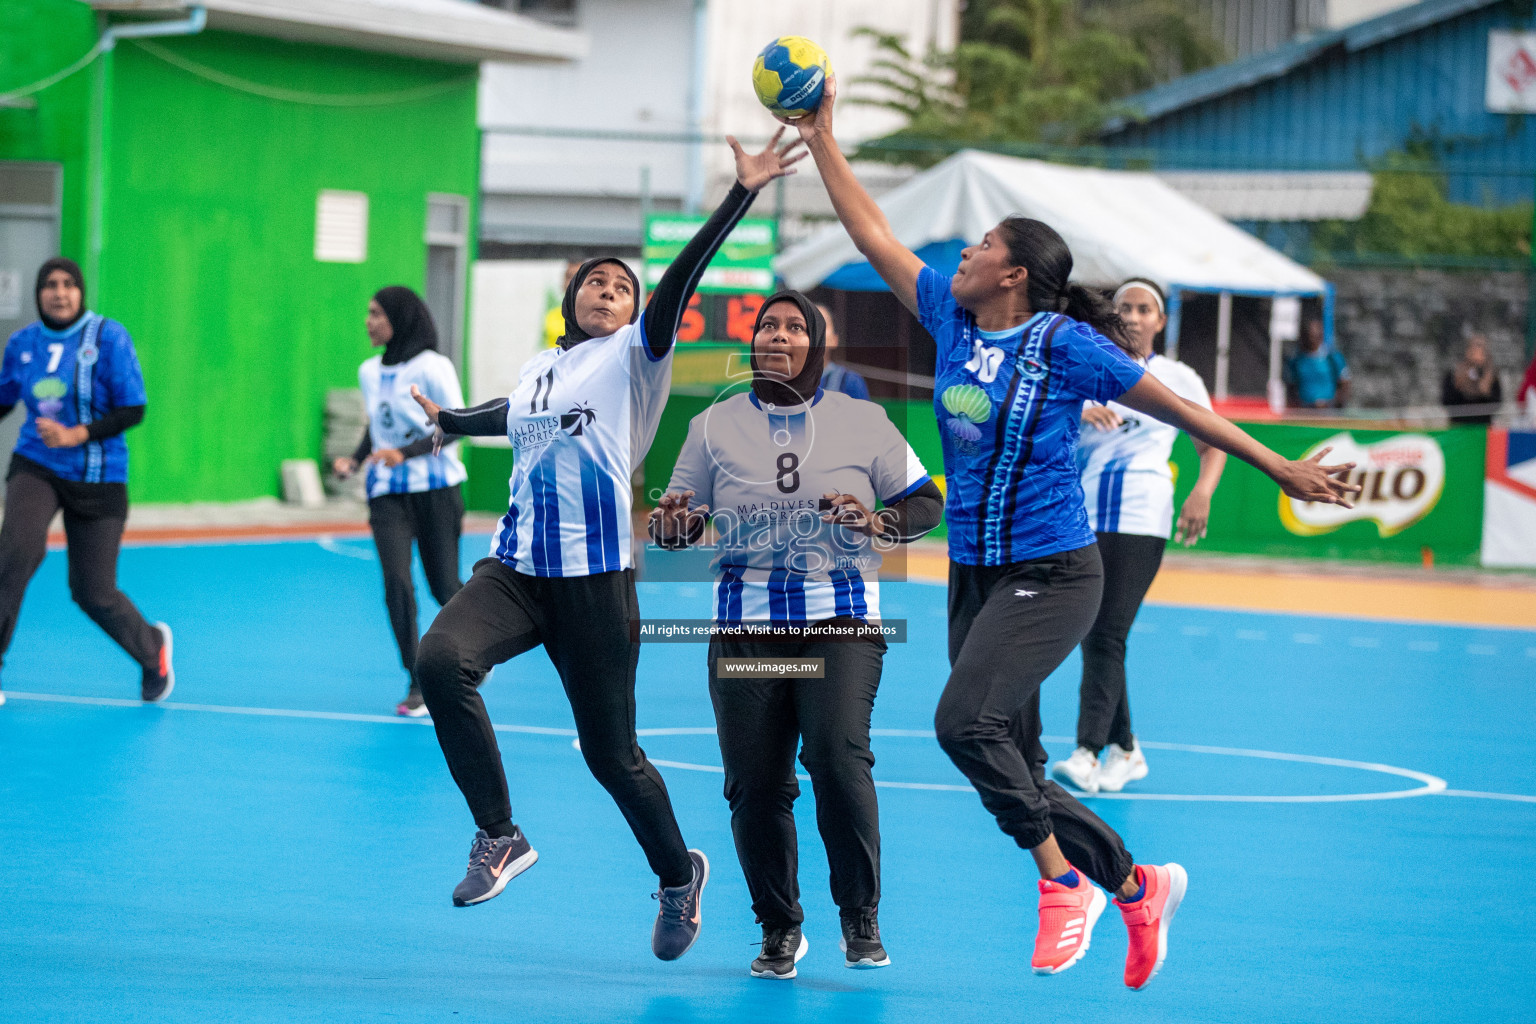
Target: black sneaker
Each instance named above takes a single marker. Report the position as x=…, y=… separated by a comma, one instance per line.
x=861, y=940
x=159, y=681
x=782, y=949
x=492, y=864
x=678, y=919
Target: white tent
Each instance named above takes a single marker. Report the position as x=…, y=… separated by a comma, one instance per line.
x=1118, y=224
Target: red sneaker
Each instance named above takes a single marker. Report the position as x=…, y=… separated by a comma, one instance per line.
x=1148, y=918
x=1067, y=917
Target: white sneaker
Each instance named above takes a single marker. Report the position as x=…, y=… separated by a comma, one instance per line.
x=1081, y=769
x=1121, y=766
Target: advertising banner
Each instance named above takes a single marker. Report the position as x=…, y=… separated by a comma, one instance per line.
x=744, y=264
x=1421, y=497
x=1509, y=500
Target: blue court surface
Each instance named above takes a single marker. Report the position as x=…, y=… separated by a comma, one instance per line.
x=1354, y=800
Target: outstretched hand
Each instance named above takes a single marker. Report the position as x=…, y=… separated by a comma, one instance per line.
x=754, y=170
x=1312, y=481
x=428, y=406
x=819, y=123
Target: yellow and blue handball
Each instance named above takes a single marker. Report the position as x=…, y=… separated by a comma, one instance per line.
x=789, y=76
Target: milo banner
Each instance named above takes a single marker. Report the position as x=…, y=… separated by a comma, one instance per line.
x=1421, y=497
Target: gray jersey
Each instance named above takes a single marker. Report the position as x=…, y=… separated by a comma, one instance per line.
x=762, y=471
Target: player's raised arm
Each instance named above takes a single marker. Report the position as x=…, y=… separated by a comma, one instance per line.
x=1307, y=480
x=664, y=308
x=862, y=217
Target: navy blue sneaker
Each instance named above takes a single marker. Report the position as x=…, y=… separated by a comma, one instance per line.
x=492, y=864
x=678, y=919
x=782, y=949
x=159, y=681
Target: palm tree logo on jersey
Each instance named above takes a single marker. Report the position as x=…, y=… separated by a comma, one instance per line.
x=580, y=415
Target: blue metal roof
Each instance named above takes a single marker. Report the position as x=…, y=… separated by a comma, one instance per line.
x=1242, y=74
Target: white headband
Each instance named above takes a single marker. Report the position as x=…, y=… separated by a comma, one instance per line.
x=1145, y=286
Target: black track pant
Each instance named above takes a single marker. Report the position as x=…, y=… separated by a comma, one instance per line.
x=1131, y=562
x=1010, y=626
x=760, y=721
x=433, y=519
x=94, y=516
x=583, y=622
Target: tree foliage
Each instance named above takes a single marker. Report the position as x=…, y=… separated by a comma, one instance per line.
x=1410, y=217
x=1034, y=71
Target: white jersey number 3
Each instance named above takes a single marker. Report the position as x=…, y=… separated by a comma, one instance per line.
x=985, y=361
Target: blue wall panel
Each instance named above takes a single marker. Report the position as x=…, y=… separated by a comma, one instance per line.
x=1344, y=109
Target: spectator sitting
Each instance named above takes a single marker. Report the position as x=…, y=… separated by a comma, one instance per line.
x=1316, y=377
x=1472, y=382
x=837, y=377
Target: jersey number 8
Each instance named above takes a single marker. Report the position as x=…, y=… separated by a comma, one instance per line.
x=789, y=473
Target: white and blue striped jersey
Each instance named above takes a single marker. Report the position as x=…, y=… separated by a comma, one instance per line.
x=580, y=421
x=395, y=420
x=1127, y=482
x=762, y=470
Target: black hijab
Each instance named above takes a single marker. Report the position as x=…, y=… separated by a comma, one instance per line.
x=574, y=335
x=71, y=268
x=803, y=387
x=411, y=321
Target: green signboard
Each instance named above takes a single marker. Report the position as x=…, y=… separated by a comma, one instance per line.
x=744, y=265
x=1422, y=496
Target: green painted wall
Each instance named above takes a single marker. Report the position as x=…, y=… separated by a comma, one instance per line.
x=38, y=38
x=208, y=222
x=208, y=250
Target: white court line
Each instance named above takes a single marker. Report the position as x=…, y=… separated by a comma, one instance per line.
x=1478, y=795
x=335, y=547
x=226, y=709
x=1430, y=784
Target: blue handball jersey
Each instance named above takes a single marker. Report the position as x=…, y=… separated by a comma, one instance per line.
x=73, y=377
x=1008, y=404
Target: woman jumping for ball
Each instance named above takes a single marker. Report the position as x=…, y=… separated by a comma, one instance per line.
x=793, y=473
x=1019, y=351
x=1128, y=487
x=560, y=571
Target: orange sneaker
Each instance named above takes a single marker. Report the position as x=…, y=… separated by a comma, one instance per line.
x=1067, y=917
x=1148, y=918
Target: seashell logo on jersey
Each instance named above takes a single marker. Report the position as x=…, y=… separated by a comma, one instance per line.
x=968, y=407
x=49, y=392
